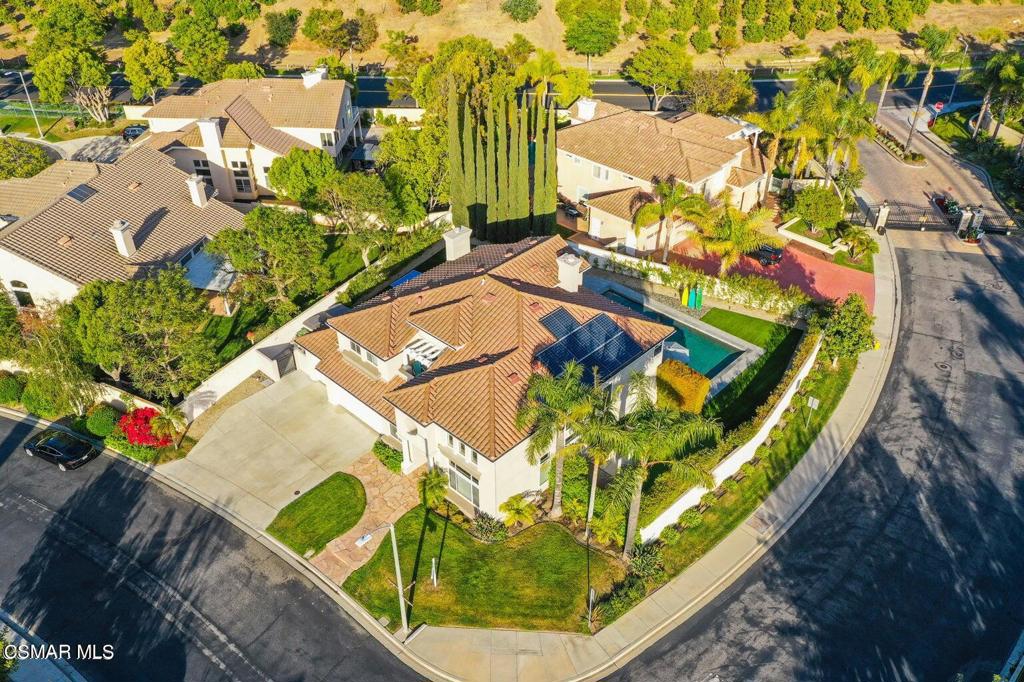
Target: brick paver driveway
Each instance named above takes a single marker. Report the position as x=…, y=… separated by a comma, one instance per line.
x=816, y=277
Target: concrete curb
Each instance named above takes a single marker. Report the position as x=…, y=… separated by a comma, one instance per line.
x=684, y=613
x=62, y=666
x=319, y=579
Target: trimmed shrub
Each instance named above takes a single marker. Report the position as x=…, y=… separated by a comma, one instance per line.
x=747, y=468
x=136, y=427
x=730, y=485
x=488, y=528
x=117, y=440
x=670, y=535
x=621, y=599
x=102, y=420
x=687, y=387
x=11, y=388
x=709, y=499
x=38, y=404
x=691, y=518
x=429, y=7
x=646, y=562
x=520, y=10
x=388, y=456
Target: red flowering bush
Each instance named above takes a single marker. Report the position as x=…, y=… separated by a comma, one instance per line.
x=137, y=428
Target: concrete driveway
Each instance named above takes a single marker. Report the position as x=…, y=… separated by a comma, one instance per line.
x=271, y=447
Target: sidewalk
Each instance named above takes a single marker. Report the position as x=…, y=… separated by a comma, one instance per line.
x=499, y=655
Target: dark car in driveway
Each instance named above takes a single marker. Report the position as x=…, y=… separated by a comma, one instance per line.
x=132, y=133
x=61, y=448
x=767, y=255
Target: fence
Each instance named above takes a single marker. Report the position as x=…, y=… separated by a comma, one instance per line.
x=737, y=458
x=14, y=108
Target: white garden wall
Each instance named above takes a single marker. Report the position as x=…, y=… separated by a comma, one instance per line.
x=731, y=464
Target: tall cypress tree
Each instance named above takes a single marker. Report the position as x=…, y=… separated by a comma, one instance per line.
x=481, y=183
x=460, y=215
x=469, y=166
x=523, y=172
x=502, y=172
x=513, y=172
x=550, y=174
x=540, y=168
x=491, y=172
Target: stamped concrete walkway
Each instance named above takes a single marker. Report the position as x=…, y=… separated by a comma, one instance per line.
x=388, y=497
x=497, y=655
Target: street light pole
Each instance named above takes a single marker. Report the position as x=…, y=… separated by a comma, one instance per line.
x=21, y=75
x=362, y=540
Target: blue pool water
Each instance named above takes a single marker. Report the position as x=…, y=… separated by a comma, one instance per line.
x=707, y=356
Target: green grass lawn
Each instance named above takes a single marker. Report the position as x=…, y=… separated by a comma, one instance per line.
x=322, y=514
x=865, y=264
x=536, y=580
x=800, y=227
x=26, y=124
x=228, y=333
x=826, y=237
x=741, y=398
x=343, y=261
x=732, y=508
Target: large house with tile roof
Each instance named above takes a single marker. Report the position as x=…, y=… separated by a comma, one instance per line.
x=611, y=158
x=230, y=131
x=76, y=222
x=439, y=365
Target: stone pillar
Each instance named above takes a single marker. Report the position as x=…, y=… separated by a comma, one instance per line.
x=882, y=217
x=966, y=218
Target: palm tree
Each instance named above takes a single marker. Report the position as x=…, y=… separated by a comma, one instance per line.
x=168, y=424
x=673, y=202
x=661, y=435
x=860, y=242
x=776, y=123
x=889, y=67
x=989, y=79
x=935, y=43
x=539, y=71
x=1008, y=87
x=732, y=233
x=553, y=406
x=434, y=487
x=518, y=511
x=851, y=123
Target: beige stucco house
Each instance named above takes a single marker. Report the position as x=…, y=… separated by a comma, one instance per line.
x=230, y=131
x=76, y=222
x=439, y=365
x=610, y=158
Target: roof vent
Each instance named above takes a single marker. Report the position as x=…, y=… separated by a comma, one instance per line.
x=488, y=297
x=509, y=252
x=482, y=359
x=514, y=378
x=536, y=306
x=480, y=269
x=134, y=186
x=65, y=240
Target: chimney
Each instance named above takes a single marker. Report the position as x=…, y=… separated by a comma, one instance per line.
x=197, y=190
x=586, y=108
x=456, y=243
x=569, y=274
x=123, y=239
x=311, y=78
x=209, y=131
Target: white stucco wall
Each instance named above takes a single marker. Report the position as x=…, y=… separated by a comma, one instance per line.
x=43, y=285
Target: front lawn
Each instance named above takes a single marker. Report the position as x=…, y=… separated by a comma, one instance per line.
x=779, y=459
x=322, y=514
x=751, y=329
x=824, y=237
x=536, y=580
x=228, y=333
x=865, y=264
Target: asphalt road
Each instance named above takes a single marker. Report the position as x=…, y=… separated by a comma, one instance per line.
x=102, y=555
x=373, y=92
x=909, y=564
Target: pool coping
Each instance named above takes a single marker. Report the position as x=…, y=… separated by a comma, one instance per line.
x=749, y=353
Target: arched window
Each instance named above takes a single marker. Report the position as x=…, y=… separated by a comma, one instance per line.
x=21, y=294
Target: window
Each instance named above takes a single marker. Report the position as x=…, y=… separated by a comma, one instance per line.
x=201, y=168
x=21, y=295
x=464, y=484
x=628, y=178
x=240, y=166
x=576, y=160
x=266, y=171
x=394, y=430
x=328, y=139
x=240, y=169
x=467, y=452
x=243, y=185
x=356, y=348
x=372, y=359
x=600, y=172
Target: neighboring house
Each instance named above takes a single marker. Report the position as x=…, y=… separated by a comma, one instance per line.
x=440, y=364
x=231, y=131
x=76, y=222
x=611, y=157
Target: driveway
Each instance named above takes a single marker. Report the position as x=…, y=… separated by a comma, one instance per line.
x=101, y=148
x=271, y=447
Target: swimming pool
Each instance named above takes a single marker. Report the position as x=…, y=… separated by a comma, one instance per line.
x=707, y=356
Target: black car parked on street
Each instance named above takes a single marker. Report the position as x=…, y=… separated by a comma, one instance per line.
x=61, y=448
x=767, y=255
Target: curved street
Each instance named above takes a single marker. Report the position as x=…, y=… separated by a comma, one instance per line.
x=908, y=565
x=101, y=555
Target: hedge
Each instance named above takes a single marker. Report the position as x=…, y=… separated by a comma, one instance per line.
x=11, y=388
x=388, y=456
x=102, y=420
x=683, y=385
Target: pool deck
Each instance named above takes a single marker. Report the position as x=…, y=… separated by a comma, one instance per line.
x=749, y=353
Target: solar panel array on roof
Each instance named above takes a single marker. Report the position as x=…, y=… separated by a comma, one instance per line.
x=599, y=343
x=559, y=322
x=81, y=193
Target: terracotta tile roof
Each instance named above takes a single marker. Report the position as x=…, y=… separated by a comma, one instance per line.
x=253, y=126
x=705, y=124
x=647, y=147
x=72, y=237
x=324, y=345
x=488, y=309
x=24, y=197
x=621, y=203
x=282, y=102
x=601, y=109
